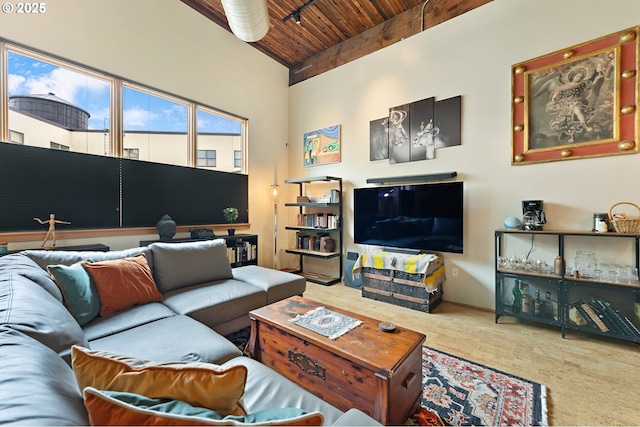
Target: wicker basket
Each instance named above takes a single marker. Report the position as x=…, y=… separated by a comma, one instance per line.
x=625, y=225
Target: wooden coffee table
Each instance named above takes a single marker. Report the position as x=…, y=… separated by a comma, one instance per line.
x=377, y=372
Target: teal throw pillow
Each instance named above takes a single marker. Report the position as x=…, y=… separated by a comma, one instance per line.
x=123, y=408
x=80, y=294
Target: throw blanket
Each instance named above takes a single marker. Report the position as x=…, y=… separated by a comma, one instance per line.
x=430, y=266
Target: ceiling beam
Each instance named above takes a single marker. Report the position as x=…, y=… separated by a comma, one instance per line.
x=385, y=34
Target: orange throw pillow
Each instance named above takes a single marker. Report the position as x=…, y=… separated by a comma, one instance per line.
x=123, y=283
x=196, y=383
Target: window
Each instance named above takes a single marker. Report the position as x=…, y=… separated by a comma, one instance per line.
x=206, y=158
x=131, y=153
x=16, y=137
x=56, y=146
x=50, y=99
x=156, y=124
x=223, y=136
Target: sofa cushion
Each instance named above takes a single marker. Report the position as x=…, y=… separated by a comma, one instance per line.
x=173, y=338
x=36, y=386
x=177, y=265
x=277, y=284
x=118, y=408
x=27, y=307
x=44, y=258
x=214, y=303
x=126, y=319
x=80, y=294
x=123, y=283
x=196, y=383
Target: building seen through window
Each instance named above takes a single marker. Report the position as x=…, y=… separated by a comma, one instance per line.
x=50, y=100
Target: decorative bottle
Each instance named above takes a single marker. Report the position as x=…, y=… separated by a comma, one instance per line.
x=557, y=266
x=517, y=297
x=537, y=305
x=552, y=307
x=527, y=301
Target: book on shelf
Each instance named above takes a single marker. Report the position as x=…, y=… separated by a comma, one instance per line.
x=317, y=220
x=593, y=316
x=589, y=315
x=621, y=323
x=241, y=252
x=323, y=242
x=600, y=314
x=609, y=317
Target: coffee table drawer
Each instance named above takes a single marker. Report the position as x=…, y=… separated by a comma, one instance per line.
x=387, y=397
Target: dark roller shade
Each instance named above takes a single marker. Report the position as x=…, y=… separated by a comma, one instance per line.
x=188, y=195
x=80, y=188
x=105, y=192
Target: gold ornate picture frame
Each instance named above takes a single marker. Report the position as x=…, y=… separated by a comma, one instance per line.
x=577, y=102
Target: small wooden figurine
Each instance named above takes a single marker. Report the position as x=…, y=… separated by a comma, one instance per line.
x=51, y=232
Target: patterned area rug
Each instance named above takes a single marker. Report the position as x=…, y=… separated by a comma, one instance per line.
x=462, y=393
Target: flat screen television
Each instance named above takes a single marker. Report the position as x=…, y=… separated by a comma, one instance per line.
x=424, y=217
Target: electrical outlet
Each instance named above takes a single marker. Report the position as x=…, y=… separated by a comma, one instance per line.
x=455, y=272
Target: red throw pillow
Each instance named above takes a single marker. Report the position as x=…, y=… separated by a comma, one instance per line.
x=123, y=283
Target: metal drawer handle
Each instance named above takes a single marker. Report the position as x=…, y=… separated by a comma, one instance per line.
x=408, y=380
x=307, y=365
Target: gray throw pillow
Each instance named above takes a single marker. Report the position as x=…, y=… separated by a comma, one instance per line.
x=177, y=265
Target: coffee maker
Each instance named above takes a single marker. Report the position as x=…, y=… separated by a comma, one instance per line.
x=532, y=215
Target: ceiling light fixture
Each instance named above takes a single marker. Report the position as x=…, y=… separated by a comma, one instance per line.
x=296, y=13
x=248, y=19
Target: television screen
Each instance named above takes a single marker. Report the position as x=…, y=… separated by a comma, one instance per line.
x=425, y=217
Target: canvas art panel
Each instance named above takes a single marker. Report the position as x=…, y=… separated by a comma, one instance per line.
x=322, y=146
x=414, y=131
x=423, y=130
x=448, y=124
x=379, y=139
x=399, y=134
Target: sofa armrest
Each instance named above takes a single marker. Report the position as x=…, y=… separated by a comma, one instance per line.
x=355, y=417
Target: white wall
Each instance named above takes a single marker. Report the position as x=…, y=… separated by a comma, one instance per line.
x=471, y=56
x=167, y=45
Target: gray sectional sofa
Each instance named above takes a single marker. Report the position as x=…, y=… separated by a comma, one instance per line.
x=201, y=299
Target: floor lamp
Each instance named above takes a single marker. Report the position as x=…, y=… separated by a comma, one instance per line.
x=274, y=196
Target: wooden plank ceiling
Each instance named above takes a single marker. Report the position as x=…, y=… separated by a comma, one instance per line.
x=334, y=32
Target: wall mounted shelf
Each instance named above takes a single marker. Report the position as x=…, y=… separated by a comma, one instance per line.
x=408, y=178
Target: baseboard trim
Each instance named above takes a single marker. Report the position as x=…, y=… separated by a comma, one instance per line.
x=490, y=310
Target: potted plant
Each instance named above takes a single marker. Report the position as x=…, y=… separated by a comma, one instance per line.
x=230, y=214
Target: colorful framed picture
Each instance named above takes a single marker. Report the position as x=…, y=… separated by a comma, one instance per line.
x=578, y=102
x=322, y=146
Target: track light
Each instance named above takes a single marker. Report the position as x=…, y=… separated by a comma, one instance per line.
x=296, y=13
